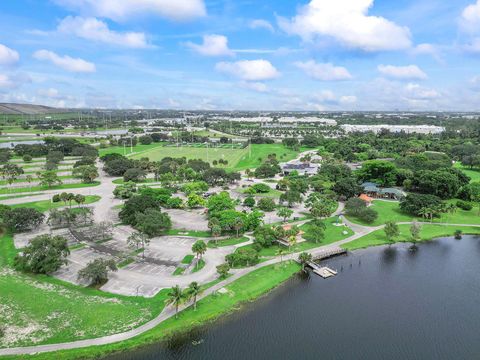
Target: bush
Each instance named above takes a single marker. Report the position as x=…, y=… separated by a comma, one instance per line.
x=27, y=158
x=259, y=189
x=464, y=205
x=249, y=201
x=355, y=206
x=368, y=215
x=414, y=204
x=266, y=204
x=125, y=191
x=135, y=175
x=243, y=257
x=23, y=219
x=153, y=222
x=145, y=140
x=174, y=203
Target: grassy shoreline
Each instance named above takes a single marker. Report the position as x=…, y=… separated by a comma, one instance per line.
x=244, y=290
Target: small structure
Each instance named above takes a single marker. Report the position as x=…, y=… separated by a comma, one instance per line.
x=376, y=192
x=366, y=198
x=302, y=168
x=299, y=237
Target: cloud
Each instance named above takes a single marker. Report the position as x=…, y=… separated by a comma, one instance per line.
x=97, y=30
x=410, y=72
x=470, y=18
x=8, y=56
x=13, y=81
x=255, y=86
x=324, y=71
x=213, y=45
x=121, y=10
x=417, y=92
x=261, y=24
x=249, y=70
x=65, y=62
x=348, y=22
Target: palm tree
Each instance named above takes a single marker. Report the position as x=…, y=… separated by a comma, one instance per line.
x=175, y=297
x=199, y=248
x=423, y=212
x=304, y=259
x=292, y=241
x=280, y=252
x=193, y=291
x=238, y=224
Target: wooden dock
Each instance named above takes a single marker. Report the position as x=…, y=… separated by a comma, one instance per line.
x=324, y=271
x=328, y=253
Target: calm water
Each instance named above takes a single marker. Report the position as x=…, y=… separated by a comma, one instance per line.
x=384, y=304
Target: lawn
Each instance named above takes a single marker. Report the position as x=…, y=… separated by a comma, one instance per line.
x=428, y=232
x=260, y=152
x=332, y=234
x=233, y=156
x=272, y=193
x=474, y=174
x=137, y=149
x=46, y=205
x=390, y=211
x=43, y=188
x=192, y=233
x=243, y=290
x=42, y=310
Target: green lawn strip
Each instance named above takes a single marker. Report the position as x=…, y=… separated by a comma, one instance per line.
x=192, y=233
x=146, y=181
x=243, y=290
x=76, y=247
x=125, y=262
x=226, y=242
x=273, y=193
x=18, y=196
x=188, y=259
x=390, y=211
x=179, y=271
x=46, y=205
x=474, y=174
x=332, y=234
x=4, y=182
x=44, y=188
x=127, y=151
x=199, y=266
x=429, y=232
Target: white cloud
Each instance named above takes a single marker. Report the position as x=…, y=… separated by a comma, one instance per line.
x=65, y=62
x=96, y=30
x=213, y=45
x=6, y=82
x=255, y=86
x=348, y=22
x=348, y=99
x=8, y=56
x=410, y=72
x=120, y=10
x=261, y=24
x=13, y=81
x=417, y=92
x=249, y=70
x=470, y=18
x=324, y=71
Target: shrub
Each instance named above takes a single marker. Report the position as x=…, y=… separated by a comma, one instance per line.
x=258, y=189
x=243, y=257
x=27, y=158
x=368, y=215
x=249, y=201
x=464, y=205
x=266, y=204
x=135, y=175
x=145, y=140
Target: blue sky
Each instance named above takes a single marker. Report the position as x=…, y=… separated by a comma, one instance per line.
x=242, y=54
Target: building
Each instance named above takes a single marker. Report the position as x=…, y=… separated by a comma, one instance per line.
x=376, y=192
x=408, y=129
x=302, y=168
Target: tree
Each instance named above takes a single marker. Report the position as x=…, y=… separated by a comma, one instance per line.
x=291, y=198
x=145, y=140
x=138, y=240
x=284, y=213
x=304, y=258
x=381, y=172
x=292, y=241
x=194, y=201
x=417, y=203
x=96, y=271
x=43, y=255
x=354, y=206
x=223, y=270
x=80, y=199
x=23, y=219
x=29, y=180
x=266, y=204
x=249, y=202
x=134, y=174
x=49, y=178
x=137, y=204
x=199, y=248
x=193, y=291
x=415, y=230
x=175, y=297
x=238, y=224
x=104, y=229
x=10, y=172
x=88, y=173
x=280, y=252
x=392, y=231
x=216, y=232
x=153, y=222
x=347, y=187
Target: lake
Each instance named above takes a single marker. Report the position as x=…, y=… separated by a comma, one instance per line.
x=384, y=304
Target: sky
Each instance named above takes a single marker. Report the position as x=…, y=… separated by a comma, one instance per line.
x=310, y=55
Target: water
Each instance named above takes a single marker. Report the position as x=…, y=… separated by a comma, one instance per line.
x=384, y=304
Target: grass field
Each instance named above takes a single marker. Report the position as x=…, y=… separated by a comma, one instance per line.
x=138, y=149
x=261, y=151
x=474, y=174
x=42, y=310
x=43, y=188
x=428, y=232
x=390, y=211
x=243, y=290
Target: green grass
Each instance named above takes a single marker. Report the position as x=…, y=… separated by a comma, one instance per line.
x=43, y=188
x=260, y=152
x=227, y=242
x=179, y=271
x=273, y=193
x=139, y=148
x=158, y=153
x=332, y=234
x=243, y=290
x=46, y=205
x=18, y=196
x=62, y=312
x=390, y=211
x=474, y=174
x=188, y=259
x=428, y=232
x=200, y=265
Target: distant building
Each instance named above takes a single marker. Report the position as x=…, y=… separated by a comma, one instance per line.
x=408, y=129
x=302, y=168
x=376, y=192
